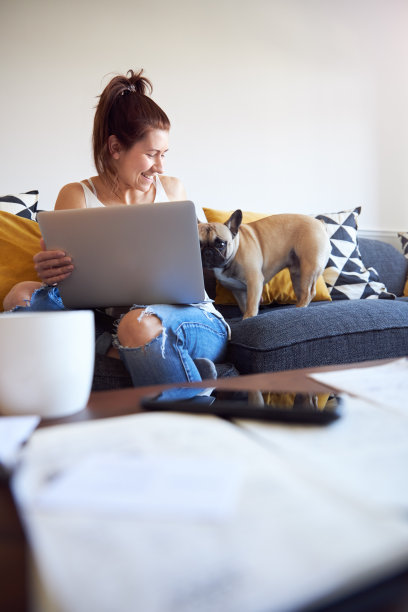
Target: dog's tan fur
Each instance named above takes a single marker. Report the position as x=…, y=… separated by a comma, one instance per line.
x=253, y=253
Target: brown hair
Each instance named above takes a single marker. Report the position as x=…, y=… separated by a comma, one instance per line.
x=126, y=111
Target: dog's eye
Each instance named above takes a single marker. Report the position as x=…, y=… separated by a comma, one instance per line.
x=220, y=244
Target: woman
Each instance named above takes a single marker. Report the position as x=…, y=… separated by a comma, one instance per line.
x=158, y=343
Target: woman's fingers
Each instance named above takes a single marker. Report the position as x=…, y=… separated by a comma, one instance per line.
x=52, y=266
x=54, y=276
x=52, y=262
x=44, y=256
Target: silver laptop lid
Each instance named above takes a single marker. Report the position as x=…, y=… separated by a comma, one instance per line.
x=123, y=255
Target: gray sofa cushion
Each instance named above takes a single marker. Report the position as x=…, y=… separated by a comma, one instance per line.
x=391, y=265
x=324, y=333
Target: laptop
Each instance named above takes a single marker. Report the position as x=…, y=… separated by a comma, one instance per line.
x=123, y=255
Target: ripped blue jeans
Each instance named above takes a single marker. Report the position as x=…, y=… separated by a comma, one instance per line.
x=188, y=333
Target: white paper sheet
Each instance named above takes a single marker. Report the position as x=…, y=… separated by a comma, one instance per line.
x=14, y=431
x=163, y=486
x=385, y=384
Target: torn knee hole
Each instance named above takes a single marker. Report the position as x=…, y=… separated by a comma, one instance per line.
x=139, y=327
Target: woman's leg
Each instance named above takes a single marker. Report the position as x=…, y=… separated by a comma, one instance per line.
x=158, y=344
x=37, y=297
x=20, y=294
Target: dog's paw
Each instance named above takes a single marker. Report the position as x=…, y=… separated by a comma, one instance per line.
x=249, y=315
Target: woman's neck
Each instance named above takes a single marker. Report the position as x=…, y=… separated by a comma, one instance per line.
x=121, y=195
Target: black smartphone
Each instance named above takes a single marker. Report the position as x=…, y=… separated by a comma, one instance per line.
x=288, y=407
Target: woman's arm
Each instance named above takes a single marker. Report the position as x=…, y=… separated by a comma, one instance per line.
x=70, y=196
x=54, y=266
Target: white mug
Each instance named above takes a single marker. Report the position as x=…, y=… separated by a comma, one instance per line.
x=46, y=362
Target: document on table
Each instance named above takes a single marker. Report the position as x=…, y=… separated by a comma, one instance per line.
x=14, y=431
x=134, y=485
x=385, y=384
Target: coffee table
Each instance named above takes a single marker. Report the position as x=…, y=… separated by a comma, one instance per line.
x=391, y=590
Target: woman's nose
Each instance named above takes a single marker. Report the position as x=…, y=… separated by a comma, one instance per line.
x=158, y=165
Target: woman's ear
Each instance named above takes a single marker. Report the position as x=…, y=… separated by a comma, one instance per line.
x=114, y=146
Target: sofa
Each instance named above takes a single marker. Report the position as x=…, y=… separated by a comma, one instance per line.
x=283, y=337
x=362, y=319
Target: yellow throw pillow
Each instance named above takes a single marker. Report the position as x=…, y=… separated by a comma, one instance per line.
x=287, y=400
x=19, y=241
x=220, y=216
x=279, y=289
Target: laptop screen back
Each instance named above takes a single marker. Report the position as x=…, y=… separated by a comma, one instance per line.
x=123, y=255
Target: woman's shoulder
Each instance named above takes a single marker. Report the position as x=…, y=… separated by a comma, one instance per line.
x=70, y=196
x=173, y=187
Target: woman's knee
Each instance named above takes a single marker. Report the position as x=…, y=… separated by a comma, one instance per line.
x=138, y=327
x=20, y=294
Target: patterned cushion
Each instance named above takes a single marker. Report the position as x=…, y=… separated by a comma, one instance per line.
x=21, y=204
x=345, y=275
x=404, y=243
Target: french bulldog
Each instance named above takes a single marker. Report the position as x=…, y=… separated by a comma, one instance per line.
x=246, y=256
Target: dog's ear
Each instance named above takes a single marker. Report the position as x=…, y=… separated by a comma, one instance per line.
x=234, y=222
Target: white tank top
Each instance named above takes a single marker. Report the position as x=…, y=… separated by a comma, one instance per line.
x=91, y=197
x=92, y=201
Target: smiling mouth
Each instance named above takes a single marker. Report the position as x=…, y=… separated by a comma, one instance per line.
x=148, y=177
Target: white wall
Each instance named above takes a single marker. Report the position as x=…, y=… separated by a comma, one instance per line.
x=276, y=105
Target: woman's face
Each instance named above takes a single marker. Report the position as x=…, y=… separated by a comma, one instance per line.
x=137, y=166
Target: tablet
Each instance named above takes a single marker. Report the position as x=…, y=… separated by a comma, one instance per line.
x=124, y=255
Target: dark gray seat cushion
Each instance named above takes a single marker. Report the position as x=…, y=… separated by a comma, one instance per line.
x=324, y=333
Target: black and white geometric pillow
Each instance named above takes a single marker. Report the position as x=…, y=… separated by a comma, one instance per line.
x=404, y=242
x=21, y=204
x=345, y=275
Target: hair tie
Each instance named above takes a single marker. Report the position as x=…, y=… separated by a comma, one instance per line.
x=131, y=88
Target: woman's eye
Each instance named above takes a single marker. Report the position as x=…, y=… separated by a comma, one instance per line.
x=153, y=155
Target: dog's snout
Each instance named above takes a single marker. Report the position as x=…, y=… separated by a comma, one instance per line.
x=211, y=257
x=207, y=256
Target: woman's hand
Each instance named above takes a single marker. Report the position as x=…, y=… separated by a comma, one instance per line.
x=52, y=266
